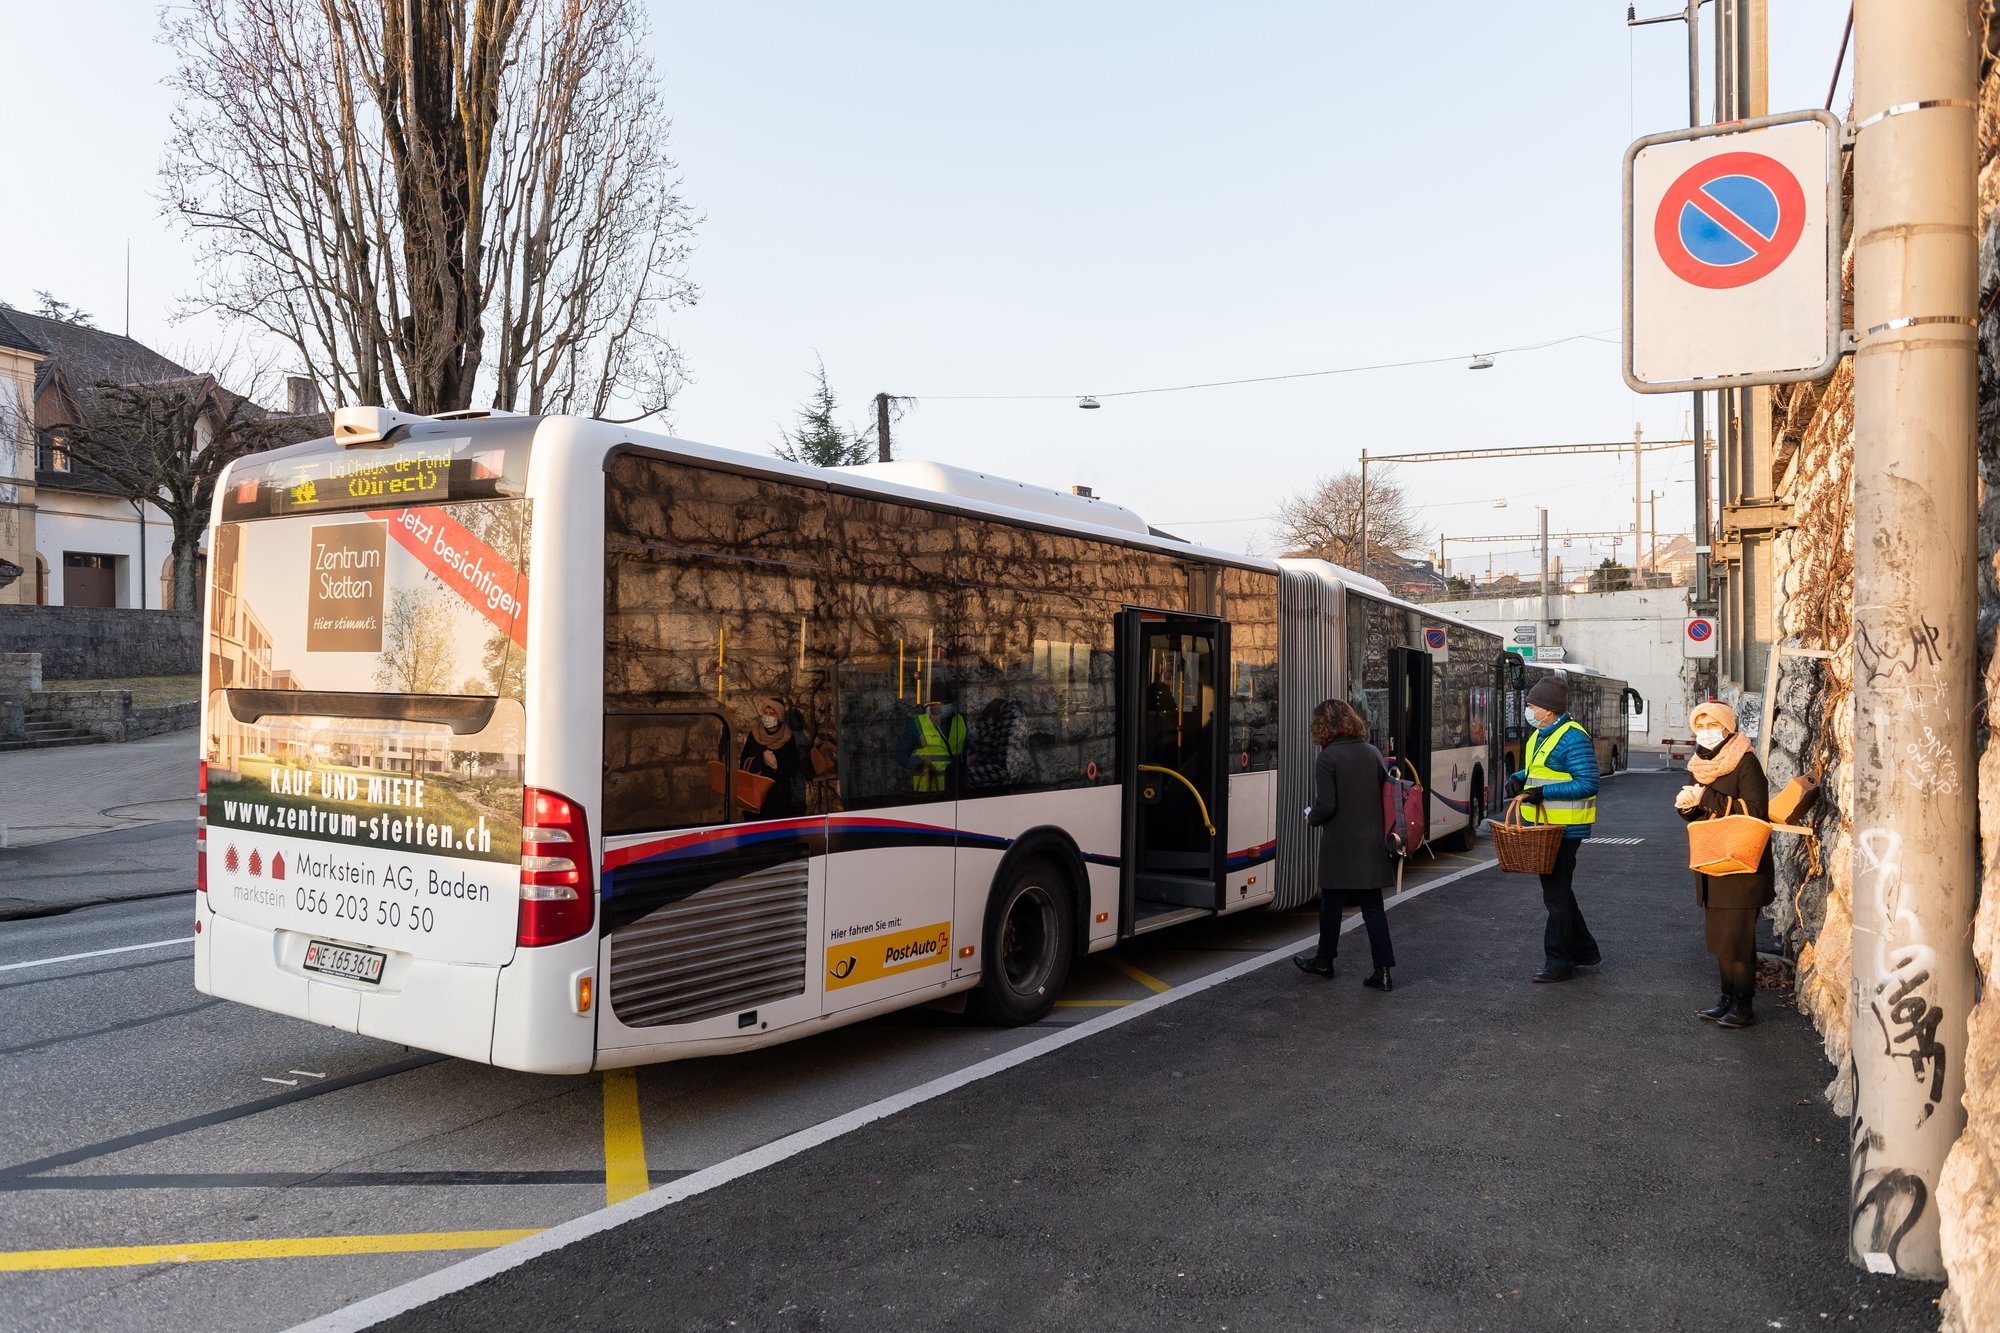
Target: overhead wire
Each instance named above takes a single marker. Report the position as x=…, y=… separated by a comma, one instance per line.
x=1258, y=379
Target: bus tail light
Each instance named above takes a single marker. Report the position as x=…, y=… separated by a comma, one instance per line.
x=201, y=831
x=557, y=896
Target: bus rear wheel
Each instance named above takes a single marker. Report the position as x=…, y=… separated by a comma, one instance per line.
x=1028, y=944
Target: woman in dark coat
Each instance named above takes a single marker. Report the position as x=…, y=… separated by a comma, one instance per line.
x=1728, y=779
x=1354, y=864
x=769, y=752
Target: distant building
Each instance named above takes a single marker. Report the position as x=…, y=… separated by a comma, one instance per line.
x=83, y=541
x=20, y=355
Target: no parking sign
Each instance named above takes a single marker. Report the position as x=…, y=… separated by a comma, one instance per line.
x=1698, y=639
x=1732, y=255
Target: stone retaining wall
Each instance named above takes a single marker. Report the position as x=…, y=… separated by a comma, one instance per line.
x=90, y=643
x=109, y=714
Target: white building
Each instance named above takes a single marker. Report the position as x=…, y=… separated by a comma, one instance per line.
x=92, y=547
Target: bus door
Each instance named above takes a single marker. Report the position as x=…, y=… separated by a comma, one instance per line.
x=1410, y=710
x=1172, y=730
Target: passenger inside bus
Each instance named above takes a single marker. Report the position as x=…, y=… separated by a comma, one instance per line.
x=771, y=750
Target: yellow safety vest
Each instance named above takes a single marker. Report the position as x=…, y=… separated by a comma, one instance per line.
x=1582, y=811
x=935, y=753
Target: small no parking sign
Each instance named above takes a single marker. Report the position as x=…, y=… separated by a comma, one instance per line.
x=1435, y=640
x=1698, y=639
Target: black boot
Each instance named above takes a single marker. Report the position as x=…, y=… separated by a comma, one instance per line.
x=1715, y=1011
x=1309, y=962
x=1739, y=1015
x=1379, y=980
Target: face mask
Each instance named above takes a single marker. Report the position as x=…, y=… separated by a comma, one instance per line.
x=770, y=723
x=1709, y=737
x=1538, y=717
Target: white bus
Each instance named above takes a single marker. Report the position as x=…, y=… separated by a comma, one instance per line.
x=552, y=744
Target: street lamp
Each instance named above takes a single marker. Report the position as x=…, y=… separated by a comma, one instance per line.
x=1088, y=404
x=1481, y=363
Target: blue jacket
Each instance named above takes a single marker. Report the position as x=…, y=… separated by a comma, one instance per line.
x=1574, y=755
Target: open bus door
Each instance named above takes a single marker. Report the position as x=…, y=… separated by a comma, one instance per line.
x=1410, y=710
x=1173, y=728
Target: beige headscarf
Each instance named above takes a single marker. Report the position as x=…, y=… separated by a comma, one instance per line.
x=1725, y=760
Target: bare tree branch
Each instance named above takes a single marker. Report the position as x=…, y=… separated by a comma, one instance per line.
x=427, y=200
x=1325, y=521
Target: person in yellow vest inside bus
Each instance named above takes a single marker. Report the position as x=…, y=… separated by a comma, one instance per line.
x=932, y=743
x=1559, y=786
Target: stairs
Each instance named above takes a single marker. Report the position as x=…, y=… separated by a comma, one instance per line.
x=50, y=735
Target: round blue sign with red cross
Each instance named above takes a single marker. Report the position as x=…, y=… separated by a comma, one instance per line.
x=1434, y=639
x=1730, y=220
x=1699, y=630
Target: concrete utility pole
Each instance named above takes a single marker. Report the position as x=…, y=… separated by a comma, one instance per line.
x=1364, y=511
x=882, y=428
x=1638, y=496
x=1546, y=622
x=1915, y=646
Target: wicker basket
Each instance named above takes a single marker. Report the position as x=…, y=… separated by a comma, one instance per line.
x=1728, y=844
x=1526, y=849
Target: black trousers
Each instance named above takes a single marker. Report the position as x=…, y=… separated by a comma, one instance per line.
x=1566, y=941
x=1332, y=902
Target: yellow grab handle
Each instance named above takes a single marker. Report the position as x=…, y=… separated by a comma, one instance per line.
x=1193, y=791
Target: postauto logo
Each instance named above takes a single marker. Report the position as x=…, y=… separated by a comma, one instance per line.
x=857, y=961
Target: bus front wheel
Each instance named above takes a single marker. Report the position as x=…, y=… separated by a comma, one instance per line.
x=1028, y=944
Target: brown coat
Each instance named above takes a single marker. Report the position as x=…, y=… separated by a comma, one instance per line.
x=1744, y=783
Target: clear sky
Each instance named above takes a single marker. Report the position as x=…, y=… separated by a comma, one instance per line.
x=956, y=201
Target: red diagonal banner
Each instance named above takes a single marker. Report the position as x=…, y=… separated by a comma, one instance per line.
x=464, y=564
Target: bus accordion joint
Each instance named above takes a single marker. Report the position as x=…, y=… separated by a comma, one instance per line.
x=557, y=897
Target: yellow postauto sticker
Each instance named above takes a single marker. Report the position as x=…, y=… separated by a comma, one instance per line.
x=852, y=962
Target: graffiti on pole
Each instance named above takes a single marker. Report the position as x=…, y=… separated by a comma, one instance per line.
x=1884, y=1203
x=1906, y=1016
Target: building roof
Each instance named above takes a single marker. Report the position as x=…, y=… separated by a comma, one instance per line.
x=12, y=336
x=85, y=356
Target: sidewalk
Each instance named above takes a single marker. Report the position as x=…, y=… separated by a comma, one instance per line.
x=1469, y=1152
x=96, y=823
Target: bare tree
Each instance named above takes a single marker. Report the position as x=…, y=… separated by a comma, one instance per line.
x=1325, y=521
x=164, y=443
x=428, y=199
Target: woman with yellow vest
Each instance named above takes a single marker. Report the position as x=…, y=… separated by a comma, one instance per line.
x=1559, y=786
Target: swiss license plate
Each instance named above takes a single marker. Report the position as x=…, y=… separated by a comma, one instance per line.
x=341, y=961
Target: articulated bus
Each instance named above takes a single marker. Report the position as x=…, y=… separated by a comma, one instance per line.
x=551, y=744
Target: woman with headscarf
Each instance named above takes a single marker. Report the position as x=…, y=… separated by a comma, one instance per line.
x=1728, y=779
x=1354, y=864
x=768, y=752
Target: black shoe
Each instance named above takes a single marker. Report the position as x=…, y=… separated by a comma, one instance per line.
x=1739, y=1015
x=1715, y=1011
x=1591, y=961
x=1307, y=962
x=1550, y=974
x=1379, y=979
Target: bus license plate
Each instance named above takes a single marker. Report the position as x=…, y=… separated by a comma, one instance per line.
x=341, y=961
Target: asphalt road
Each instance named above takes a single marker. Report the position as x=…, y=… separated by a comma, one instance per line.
x=167, y=1160
x=1470, y=1152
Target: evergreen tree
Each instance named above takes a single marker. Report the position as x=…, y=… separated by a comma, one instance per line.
x=820, y=440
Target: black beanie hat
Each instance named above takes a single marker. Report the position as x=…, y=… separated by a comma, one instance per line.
x=1552, y=693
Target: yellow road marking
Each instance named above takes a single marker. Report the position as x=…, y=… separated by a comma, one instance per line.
x=1145, y=979
x=624, y=1139
x=295, y=1247
x=1093, y=1004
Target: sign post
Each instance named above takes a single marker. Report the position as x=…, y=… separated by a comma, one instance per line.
x=1732, y=254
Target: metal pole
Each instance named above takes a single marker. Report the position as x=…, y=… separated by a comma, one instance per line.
x=1915, y=617
x=1546, y=622
x=1444, y=566
x=1701, y=539
x=1365, y=511
x=882, y=427
x=1638, y=499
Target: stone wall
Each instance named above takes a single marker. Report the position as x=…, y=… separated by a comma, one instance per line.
x=109, y=714
x=20, y=674
x=90, y=643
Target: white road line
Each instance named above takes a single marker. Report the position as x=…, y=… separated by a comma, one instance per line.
x=456, y=1277
x=94, y=953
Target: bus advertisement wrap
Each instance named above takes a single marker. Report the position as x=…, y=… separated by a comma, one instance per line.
x=365, y=725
